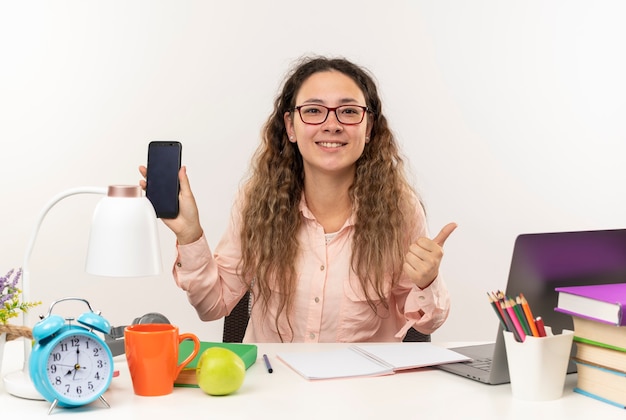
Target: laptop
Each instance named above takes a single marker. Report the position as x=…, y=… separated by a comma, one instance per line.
x=541, y=262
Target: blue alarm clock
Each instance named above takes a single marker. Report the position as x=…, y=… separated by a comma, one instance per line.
x=70, y=365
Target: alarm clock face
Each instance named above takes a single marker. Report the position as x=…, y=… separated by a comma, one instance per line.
x=79, y=369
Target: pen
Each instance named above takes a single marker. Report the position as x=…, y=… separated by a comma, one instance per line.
x=267, y=364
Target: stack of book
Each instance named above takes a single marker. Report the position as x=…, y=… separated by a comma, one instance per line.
x=599, y=315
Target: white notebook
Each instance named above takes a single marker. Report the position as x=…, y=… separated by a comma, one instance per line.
x=368, y=360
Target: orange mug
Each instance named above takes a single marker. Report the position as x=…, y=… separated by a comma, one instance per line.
x=152, y=355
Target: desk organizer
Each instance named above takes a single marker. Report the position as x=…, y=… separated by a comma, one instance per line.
x=538, y=365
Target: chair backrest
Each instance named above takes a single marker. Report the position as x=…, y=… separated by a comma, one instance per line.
x=236, y=322
x=413, y=335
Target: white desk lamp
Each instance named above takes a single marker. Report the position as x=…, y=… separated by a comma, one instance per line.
x=123, y=242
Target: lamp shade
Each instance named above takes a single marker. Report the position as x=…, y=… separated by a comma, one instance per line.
x=123, y=241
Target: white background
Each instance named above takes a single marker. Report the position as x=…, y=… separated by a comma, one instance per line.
x=511, y=115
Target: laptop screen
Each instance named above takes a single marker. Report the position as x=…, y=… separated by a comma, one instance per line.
x=544, y=261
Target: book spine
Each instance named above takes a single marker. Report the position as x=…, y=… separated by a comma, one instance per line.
x=579, y=339
x=566, y=312
x=597, y=397
x=602, y=368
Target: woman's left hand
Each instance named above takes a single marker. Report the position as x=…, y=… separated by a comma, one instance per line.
x=422, y=261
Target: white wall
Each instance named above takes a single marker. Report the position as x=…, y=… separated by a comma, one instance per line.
x=510, y=113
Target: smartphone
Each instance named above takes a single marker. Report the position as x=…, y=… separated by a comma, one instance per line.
x=164, y=159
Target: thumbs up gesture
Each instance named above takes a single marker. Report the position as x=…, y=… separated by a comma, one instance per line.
x=422, y=261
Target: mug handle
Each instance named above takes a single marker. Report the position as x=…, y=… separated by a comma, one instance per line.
x=194, y=353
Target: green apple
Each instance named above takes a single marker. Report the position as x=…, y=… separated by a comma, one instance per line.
x=220, y=371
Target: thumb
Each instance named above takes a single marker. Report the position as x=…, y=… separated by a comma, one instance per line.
x=183, y=179
x=441, y=237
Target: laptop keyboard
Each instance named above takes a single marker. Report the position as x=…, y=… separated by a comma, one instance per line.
x=482, y=363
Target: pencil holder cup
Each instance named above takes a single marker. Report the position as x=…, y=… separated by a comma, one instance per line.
x=538, y=366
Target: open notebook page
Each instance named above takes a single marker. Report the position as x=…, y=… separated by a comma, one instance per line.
x=368, y=360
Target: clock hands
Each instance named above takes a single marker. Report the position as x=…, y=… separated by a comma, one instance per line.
x=75, y=367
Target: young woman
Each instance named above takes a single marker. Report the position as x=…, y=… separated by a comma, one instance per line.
x=326, y=234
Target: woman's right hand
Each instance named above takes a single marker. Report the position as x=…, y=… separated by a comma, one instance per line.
x=186, y=226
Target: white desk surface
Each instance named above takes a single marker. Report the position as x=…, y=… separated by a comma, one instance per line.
x=424, y=393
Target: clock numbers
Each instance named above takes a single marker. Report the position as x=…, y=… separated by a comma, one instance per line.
x=78, y=367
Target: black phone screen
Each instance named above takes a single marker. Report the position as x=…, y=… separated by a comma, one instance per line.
x=164, y=159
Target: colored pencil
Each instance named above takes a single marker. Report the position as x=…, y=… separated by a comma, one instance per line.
x=540, y=326
x=520, y=316
x=497, y=309
x=514, y=318
x=529, y=315
x=509, y=322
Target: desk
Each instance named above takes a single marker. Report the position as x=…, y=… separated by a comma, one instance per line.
x=425, y=393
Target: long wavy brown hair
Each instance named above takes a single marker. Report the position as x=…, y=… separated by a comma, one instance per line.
x=382, y=198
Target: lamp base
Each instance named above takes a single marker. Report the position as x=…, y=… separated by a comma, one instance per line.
x=20, y=385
